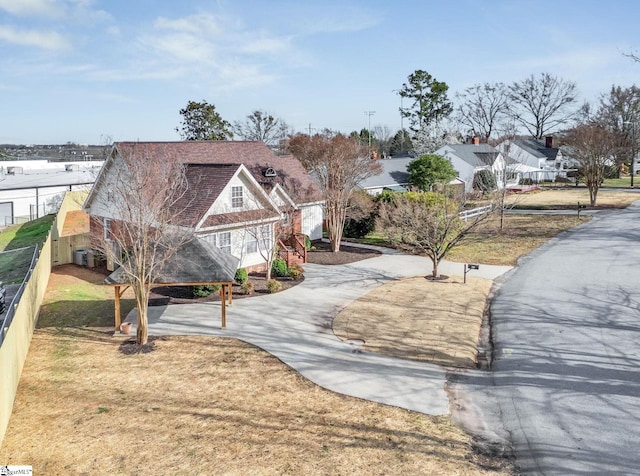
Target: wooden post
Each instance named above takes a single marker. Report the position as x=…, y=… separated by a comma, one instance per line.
x=223, y=302
x=116, y=290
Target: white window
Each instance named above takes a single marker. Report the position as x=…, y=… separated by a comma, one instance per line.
x=224, y=241
x=286, y=219
x=236, y=197
x=210, y=239
x=252, y=240
x=106, y=229
x=266, y=237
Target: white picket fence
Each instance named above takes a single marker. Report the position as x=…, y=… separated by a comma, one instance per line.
x=474, y=212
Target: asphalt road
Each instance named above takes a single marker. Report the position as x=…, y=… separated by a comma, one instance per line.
x=565, y=383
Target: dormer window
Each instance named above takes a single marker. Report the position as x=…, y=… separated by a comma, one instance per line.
x=236, y=197
x=270, y=172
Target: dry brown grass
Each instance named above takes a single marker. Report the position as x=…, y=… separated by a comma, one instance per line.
x=521, y=235
x=199, y=405
x=570, y=196
x=416, y=318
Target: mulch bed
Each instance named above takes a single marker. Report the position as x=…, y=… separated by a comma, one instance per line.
x=321, y=254
x=161, y=296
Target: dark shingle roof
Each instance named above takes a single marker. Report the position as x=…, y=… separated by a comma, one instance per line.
x=538, y=148
x=394, y=172
x=476, y=155
x=256, y=156
x=197, y=261
x=205, y=183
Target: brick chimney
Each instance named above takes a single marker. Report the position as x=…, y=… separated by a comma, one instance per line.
x=548, y=142
x=475, y=140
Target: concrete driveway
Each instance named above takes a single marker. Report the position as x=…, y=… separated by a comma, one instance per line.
x=295, y=326
x=565, y=386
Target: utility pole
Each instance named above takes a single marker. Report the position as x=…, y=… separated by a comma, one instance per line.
x=633, y=149
x=310, y=129
x=398, y=92
x=369, y=113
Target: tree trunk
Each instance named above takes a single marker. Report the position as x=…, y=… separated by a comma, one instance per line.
x=435, y=262
x=142, y=303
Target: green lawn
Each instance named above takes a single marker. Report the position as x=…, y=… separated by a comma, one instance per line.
x=22, y=238
x=26, y=234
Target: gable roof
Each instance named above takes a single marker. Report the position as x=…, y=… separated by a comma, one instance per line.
x=537, y=148
x=476, y=155
x=197, y=261
x=394, y=173
x=254, y=155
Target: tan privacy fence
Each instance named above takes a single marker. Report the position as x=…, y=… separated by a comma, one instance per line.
x=17, y=329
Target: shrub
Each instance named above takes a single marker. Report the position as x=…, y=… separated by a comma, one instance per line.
x=279, y=268
x=307, y=242
x=241, y=276
x=205, y=290
x=359, y=228
x=484, y=180
x=247, y=287
x=295, y=271
x=273, y=286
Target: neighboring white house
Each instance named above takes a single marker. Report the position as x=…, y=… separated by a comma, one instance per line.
x=238, y=191
x=535, y=159
x=468, y=159
x=33, y=188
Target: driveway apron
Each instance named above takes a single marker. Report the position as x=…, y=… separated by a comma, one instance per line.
x=296, y=327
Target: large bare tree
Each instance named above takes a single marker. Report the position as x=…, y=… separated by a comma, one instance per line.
x=482, y=107
x=426, y=224
x=593, y=147
x=540, y=104
x=262, y=126
x=145, y=198
x=338, y=163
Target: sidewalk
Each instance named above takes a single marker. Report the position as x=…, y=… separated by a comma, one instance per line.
x=295, y=326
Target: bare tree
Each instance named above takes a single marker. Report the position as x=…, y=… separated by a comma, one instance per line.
x=145, y=197
x=481, y=108
x=426, y=224
x=593, y=147
x=542, y=104
x=619, y=112
x=262, y=126
x=434, y=135
x=383, y=136
x=339, y=164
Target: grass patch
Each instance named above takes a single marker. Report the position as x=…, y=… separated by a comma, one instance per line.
x=440, y=323
x=521, y=235
x=28, y=234
x=564, y=198
x=15, y=261
x=622, y=182
x=14, y=264
x=211, y=406
x=75, y=298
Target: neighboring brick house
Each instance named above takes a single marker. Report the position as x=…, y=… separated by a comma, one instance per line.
x=237, y=190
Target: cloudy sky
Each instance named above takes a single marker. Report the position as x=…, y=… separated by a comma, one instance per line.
x=82, y=70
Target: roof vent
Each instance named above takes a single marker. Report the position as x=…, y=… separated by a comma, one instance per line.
x=71, y=167
x=270, y=172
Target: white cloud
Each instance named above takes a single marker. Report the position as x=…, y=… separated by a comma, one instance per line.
x=49, y=40
x=48, y=8
x=204, y=25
